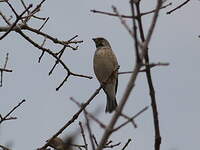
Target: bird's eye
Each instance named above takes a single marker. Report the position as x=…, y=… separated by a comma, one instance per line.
x=100, y=43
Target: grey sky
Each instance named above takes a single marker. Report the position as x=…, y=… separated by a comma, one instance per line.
x=175, y=40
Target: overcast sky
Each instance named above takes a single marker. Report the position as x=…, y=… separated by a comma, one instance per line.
x=46, y=110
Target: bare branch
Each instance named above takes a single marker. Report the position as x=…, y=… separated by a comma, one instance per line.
x=83, y=135
x=127, y=16
x=132, y=118
x=89, y=114
x=178, y=7
x=4, y=147
x=132, y=80
x=75, y=116
x=43, y=24
x=129, y=140
x=89, y=130
x=151, y=65
x=52, y=54
x=42, y=54
x=124, y=99
x=6, y=116
x=137, y=53
x=148, y=70
x=14, y=24
x=4, y=18
x=123, y=22
x=4, y=70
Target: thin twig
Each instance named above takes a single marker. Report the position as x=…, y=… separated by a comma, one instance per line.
x=56, y=62
x=4, y=18
x=95, y=140
x=14, y=24
x=129, y=140
x=52, y=54
x=123, y=22
x=75, y=116
x=131, y=118
x=89, y=130
x=83, y=135
x=42, y=54
x=112, y=145
x=107, y=145
x=151, y=65
x=43, y=24
x=89, y=114
x=35, y=10
x=4, y=70
x=181, y=5
x=9, y=113
x=127, y=16
x=128, y=118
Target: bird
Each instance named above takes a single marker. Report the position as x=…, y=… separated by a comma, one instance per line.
x=106, y=67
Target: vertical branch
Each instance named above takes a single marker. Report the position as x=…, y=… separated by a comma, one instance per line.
x=4, y=70
x=135, y=33
x=83, y=135
x=148, y=73
x=89, y=130
x=131, y=83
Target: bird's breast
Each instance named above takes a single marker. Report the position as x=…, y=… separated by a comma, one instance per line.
x=104, y=64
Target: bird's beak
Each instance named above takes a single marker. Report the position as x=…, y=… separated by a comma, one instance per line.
x=94, y=39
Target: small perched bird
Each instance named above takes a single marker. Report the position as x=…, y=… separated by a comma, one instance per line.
x=106, y=68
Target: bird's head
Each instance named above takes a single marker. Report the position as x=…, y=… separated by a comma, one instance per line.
x=101, y=42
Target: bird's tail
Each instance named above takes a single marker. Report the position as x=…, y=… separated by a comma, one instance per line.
x=111, y=104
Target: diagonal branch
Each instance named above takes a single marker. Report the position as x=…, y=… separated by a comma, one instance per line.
x=75, y=116
x=9, y=113
x=14, y=24
x=178, y=7
x=53, y=55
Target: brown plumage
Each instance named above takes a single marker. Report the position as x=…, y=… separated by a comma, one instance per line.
x=106, y=68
